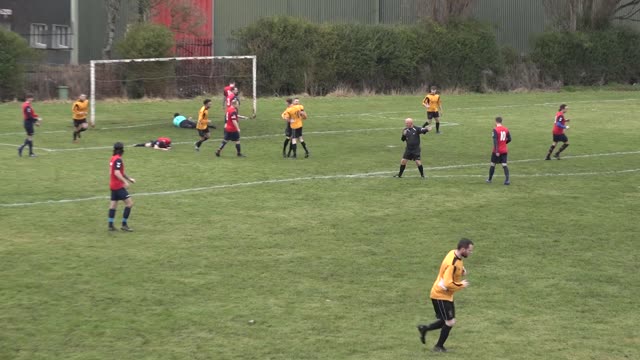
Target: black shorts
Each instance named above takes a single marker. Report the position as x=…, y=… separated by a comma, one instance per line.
x=28, y=127
x=287, y=131
x=432, y=114
x=231, y=136
x=560, y=138
x=411, y=154
x=120, y=194
x=502, y=159
x=296, y=133
x=77, y=123
x=445, y=310
x=203, y=133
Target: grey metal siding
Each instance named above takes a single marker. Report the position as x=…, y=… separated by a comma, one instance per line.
x=92, y=27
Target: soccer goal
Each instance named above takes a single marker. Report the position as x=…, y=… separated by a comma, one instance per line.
x=171, y=78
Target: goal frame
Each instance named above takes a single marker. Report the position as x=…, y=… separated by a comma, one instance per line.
x=92, y=74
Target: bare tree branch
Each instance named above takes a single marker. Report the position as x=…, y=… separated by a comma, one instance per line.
x=113, y=11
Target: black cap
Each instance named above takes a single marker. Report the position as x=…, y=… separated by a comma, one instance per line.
x=118, y=146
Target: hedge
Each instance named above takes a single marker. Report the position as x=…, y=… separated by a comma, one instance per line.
x=14, y=53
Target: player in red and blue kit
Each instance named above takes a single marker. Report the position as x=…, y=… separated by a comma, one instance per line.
x=30, y=119
x=228, y=90
x=231, y=129
x=119, y=182
x=559, y=126
x=501, y=137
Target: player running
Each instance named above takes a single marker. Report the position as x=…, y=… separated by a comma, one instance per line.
x=433, y=104
x=411, y=135
x=79, y=110
x=231, y=129
x=501, y=137
x=559, y=126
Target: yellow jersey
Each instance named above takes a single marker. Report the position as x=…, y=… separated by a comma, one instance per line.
x=294, y=115
x=203, y=119
x=449, y=278
x=433, y=102
x=79, y=109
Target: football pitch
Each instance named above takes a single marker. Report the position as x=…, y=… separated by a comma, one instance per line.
x=328, y=257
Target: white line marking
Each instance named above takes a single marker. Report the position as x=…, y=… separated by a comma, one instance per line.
x=36, y=148
x=345, y=176
x=245, y=137
x=96, y=129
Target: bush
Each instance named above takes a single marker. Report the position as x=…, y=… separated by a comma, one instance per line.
x=296, y=56
x=589, y=58
x=148, y=79
x=14, y=52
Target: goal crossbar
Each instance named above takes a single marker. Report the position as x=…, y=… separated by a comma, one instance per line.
x=93, y=63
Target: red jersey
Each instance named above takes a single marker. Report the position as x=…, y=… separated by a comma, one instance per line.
x=28, y=113
x=501, y=137
x=230, y=98
x=232, y=114
x=227, y=90
x=163, y=142
x=559, y=123
x=116, y=164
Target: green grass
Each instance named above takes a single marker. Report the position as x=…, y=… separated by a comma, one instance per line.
x=328, y=266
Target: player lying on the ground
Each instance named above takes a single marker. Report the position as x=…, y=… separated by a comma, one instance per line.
x=183, y=122
x=161, y=143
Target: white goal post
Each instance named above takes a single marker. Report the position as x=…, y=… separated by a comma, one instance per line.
x=93, y=64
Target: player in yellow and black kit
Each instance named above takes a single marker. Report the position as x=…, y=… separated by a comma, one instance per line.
x=433, y=104
x=203, y=123
x=295, y=115
x=448, y=282
x=79, y=110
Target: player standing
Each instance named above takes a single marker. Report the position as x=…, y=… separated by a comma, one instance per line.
x=501, y=137
x=228, y=90
x=203, y=123
x=30, y=119
x=449, y=281
x=79, y=110
x=118, y=184
x=295, y=115
x=433, y=104
x=231, y=129
x=559, y=126
x=411, y=135
x=287, y=130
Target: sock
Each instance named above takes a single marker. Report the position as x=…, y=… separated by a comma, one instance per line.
x=402, y=167
x=492, y=169
x=238, y=149
x=75, y=135
x=304, y=146
x=421, y=169
x=112, y=215
x=551, y=150
x=444, y=334
x=294, y=148
x=139, y=145
x=82, y=129
x=435, y=325
x=26, y=141
x=284, y=147
x=30, y=143
x=222, y=145
x=506, y=173
x=437, y=126
x=125, y=215
x=290, y=149
x=564, y=146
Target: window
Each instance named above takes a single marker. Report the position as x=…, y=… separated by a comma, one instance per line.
x=38, y=36
x=61, y=37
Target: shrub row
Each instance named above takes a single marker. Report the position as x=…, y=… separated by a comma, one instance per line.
x=297, y=56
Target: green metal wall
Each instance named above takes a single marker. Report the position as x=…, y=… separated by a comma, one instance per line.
x=92, y=27
x=515, y=20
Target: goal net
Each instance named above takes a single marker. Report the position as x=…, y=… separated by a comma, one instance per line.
x=172, y=78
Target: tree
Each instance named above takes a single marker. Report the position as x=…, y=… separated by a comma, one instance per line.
x=574, y=15
x=441, y=11
x=113, y=11
x=15, y=52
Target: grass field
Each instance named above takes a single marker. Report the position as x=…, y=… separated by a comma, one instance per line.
x=330, y=256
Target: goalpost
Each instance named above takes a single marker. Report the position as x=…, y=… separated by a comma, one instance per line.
x=175, y=77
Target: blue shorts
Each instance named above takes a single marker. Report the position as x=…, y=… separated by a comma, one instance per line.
x=502, y=159
x=28, y=127
x=120, y=194
x=232, y=136
x=560, y=138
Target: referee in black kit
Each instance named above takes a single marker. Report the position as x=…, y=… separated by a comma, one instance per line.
x=411, y=135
